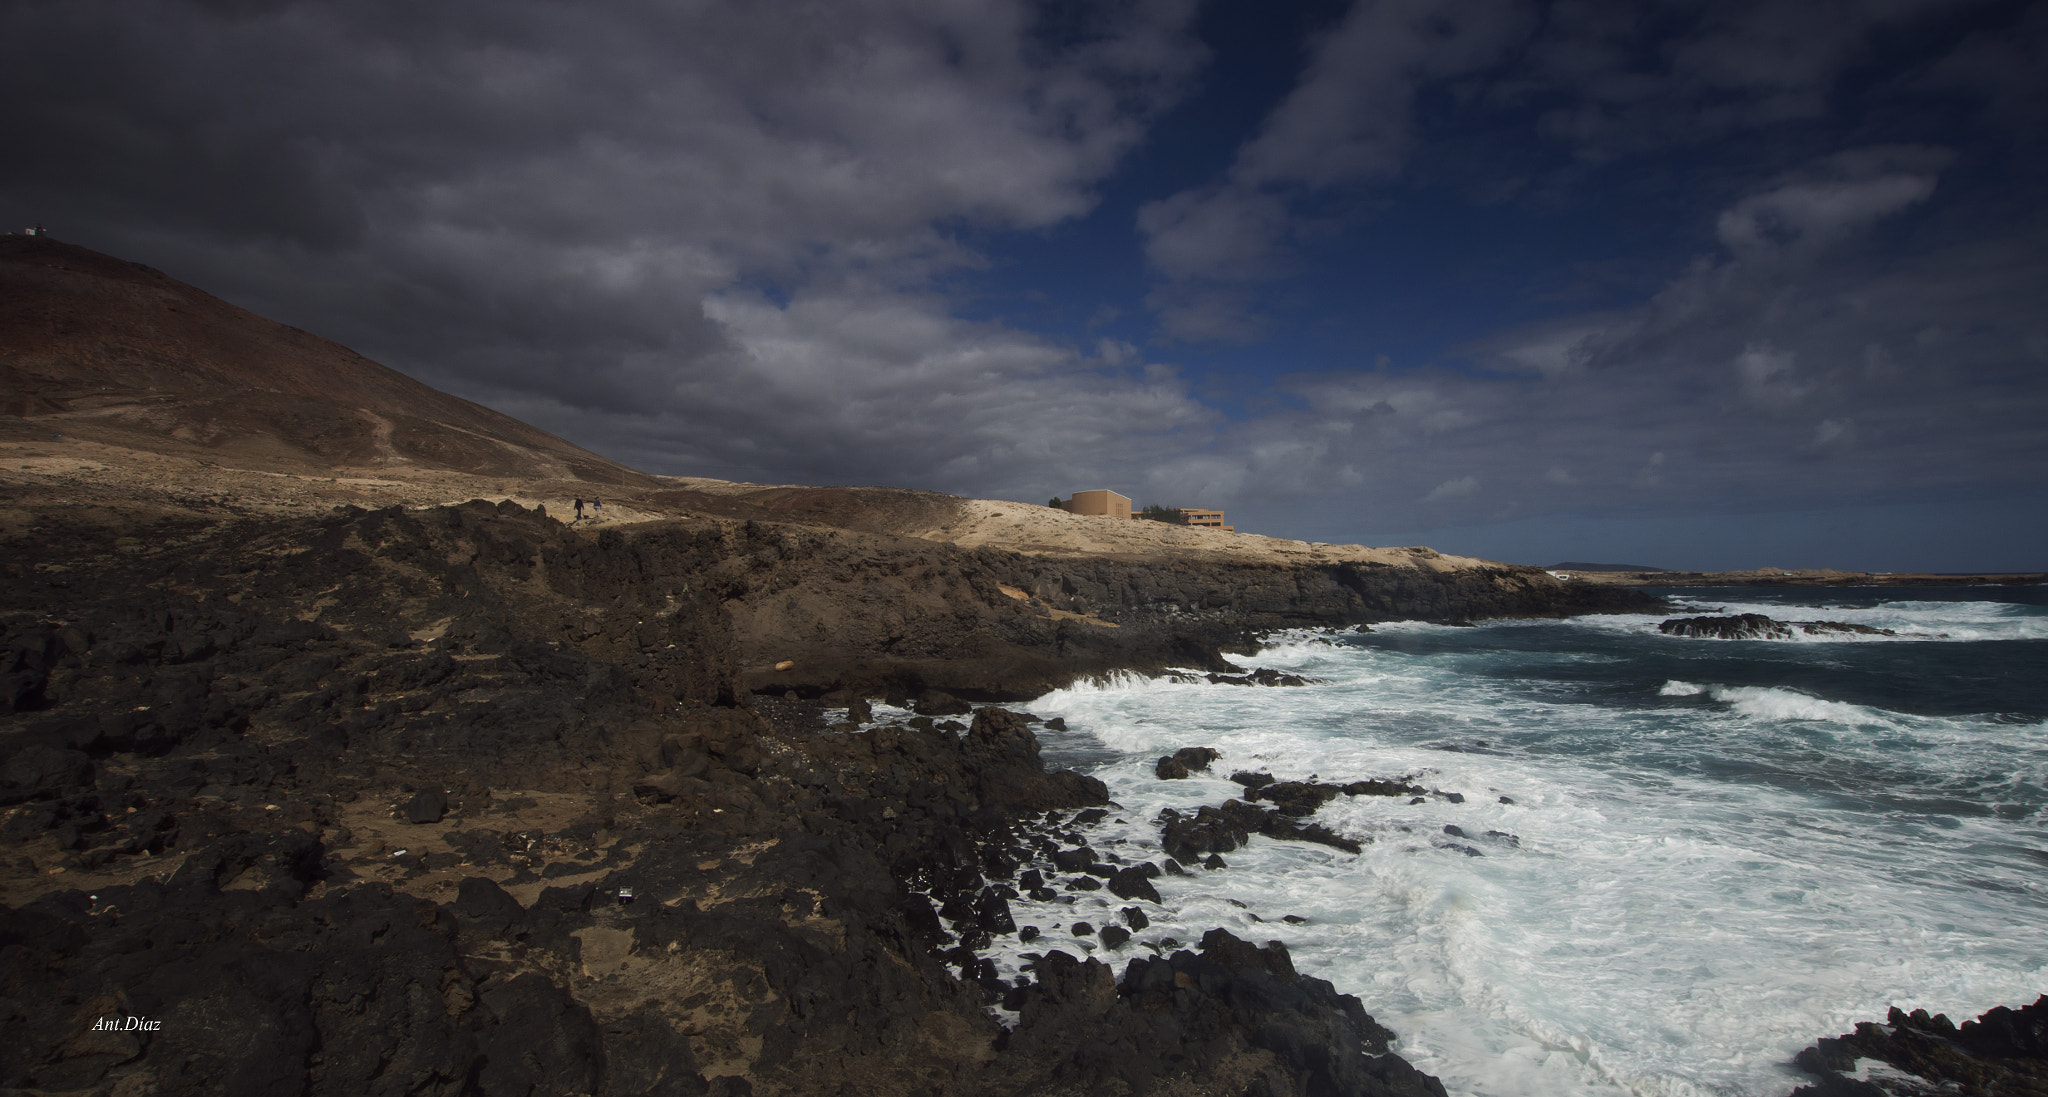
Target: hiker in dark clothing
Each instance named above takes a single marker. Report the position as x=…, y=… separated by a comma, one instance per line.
x=596, y=505
x=579, y=508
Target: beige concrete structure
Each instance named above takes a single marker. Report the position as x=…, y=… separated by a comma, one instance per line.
x=1207, y=519
x=1101, y=501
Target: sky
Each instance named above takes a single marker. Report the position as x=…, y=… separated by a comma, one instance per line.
x=1682, y=284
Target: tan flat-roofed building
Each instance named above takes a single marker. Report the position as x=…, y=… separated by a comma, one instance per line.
x=1207, y=519
x=1101, y=501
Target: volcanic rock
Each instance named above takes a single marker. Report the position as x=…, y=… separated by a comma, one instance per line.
x=1230, y=1005
x=935, y=703
x=1213, y=830
x=1756, y=626
x=1264, y=676
x=425, y=807
x=1185, y=761
x=1296, y=797
x=1133, y=883
x=2003, y=1051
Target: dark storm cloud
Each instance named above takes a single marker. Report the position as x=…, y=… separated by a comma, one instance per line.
x=705, y=231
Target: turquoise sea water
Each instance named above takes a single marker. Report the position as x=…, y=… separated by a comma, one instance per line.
x=1681, y=860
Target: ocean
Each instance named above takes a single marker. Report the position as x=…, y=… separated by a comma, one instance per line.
x=1676, y=861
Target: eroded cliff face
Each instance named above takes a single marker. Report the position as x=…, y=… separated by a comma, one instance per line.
x=879, y=614
x=462, y=801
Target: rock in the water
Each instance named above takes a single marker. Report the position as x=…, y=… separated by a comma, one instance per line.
x=1378, y=787
x=1222, y=829
x=1133, y=883
x=1742, y=626
x=1073, y=860
x=2004, y=1051
x=992, y=913
x=1185, y=761
x=1756, y=626
x=1264, y=676
x=1296, y=797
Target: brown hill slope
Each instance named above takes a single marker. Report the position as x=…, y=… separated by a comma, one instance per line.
x=103, y=347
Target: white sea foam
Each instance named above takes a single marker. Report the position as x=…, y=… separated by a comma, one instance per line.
x=1636, y=920
x=1909, y=621
x=1773, y=703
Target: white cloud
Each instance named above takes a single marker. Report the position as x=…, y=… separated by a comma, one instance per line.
x=1452, y=489
x=1833, y=433
x=1800, y=218
x=1226, y=233
x=1770, y=377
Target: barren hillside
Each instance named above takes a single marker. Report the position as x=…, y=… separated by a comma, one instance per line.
x=116, y=351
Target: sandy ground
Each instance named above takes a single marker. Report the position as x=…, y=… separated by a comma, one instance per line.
x=42, y=464
x=42, y=467
x=1038, y=529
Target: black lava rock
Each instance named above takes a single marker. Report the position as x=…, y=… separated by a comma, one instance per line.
x=1133, y=883
x=426, y=807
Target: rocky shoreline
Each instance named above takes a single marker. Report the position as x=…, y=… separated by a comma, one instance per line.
x=462, y=801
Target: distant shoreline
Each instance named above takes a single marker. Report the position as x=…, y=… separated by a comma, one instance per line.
x=1805, y=577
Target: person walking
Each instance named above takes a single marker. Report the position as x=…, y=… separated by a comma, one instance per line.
x=579, y=508
x=596, y=506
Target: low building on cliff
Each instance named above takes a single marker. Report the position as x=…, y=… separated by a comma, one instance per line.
x=1101, y=501
x=1207, y=519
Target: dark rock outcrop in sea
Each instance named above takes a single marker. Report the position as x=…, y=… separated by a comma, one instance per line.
x=1211, y=830
x=1756, y=626
x=459, y=801
x=1185, y=761
x=1189, y=836
x=2003, y=1053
